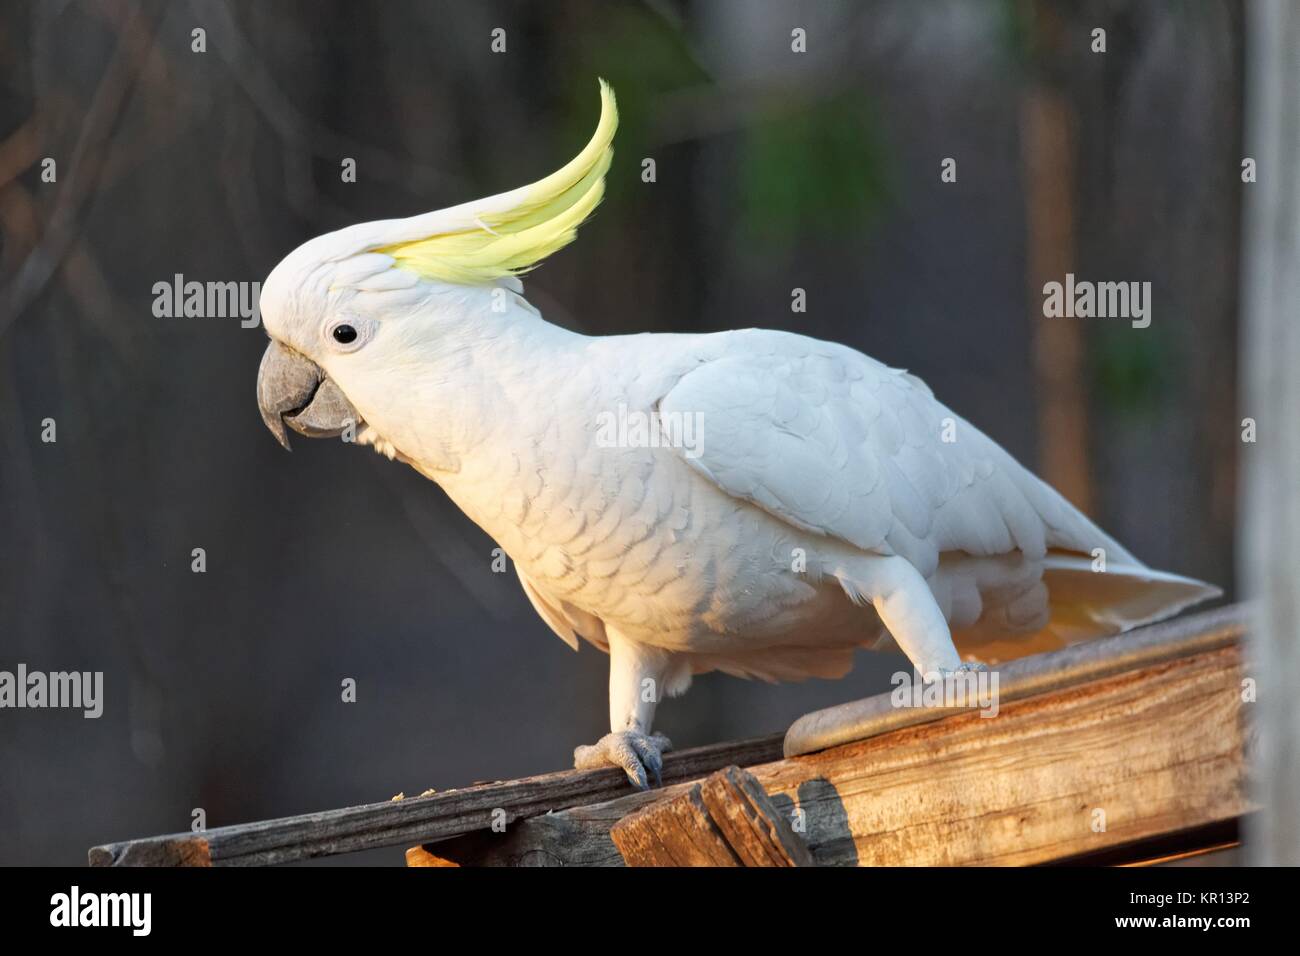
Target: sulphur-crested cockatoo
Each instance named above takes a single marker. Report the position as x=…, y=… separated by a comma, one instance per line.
x=754, y=502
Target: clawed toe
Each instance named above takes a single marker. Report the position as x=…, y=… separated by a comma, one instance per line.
x=961, y=684
x=634, y=752
x=964, y=667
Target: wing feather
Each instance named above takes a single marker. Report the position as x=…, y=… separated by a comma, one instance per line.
x=833, y=442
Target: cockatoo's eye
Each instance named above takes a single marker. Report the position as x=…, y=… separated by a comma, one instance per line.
x=348, y=333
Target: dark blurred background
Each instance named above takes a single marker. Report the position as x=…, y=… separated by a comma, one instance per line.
x=775, y=170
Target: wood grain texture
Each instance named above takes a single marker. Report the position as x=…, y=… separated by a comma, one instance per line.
x=1072, y=666
x=724, y=820
x=171, y=851
x=758, y=833
x=1073, y=771
x=674, y=832
x=1140, y=754
x=418, y=819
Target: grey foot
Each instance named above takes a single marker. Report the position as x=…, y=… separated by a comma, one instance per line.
x=955, y=673
x=633, y=751
x=941, y=673
x=964, y=666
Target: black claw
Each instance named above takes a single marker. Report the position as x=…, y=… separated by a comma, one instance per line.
x=655, y=764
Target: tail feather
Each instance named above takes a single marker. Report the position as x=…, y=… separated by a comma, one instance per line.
x=1084, y=604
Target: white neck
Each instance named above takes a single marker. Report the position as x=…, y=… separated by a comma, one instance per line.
x=473, y=381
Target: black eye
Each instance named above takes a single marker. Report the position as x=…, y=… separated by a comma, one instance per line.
x=343, y=334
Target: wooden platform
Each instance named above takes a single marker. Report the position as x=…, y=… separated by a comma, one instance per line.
x=1111, y=750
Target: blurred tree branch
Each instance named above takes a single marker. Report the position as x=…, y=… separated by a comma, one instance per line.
x=136, y=28
x=302, y=135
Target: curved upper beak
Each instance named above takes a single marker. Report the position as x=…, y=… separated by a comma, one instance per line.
x=293, y=390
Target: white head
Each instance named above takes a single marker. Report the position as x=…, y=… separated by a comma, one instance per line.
x=347, y=305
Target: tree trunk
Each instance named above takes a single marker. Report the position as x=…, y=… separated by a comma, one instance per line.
x=1271, y=352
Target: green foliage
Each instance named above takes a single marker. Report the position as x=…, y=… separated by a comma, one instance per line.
x=820, y=170
x=643, y=57
x=805, y=168
x=1016, y=33
x=1128, y=368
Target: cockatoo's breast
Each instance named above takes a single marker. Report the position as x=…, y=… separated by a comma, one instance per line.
x=637, y=539
x=601, y=514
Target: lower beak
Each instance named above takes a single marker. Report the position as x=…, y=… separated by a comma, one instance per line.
x=293, y=390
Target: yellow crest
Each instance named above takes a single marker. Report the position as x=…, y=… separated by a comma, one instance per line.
x=510, y=233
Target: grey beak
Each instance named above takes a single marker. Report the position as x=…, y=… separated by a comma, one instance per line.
x=293, y=390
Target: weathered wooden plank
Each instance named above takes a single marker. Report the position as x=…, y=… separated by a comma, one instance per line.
x=1073, y=770
x=674, y=832
x=1029, y=676
x=576, y=837
x=724, y=820
x=418, y=819
x=190, y=850
x=759, y=834
x=1216, y=840
x=1068, y=772
x=588, y=803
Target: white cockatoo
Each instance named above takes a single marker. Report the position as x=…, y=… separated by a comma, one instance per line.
x=754, y=502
